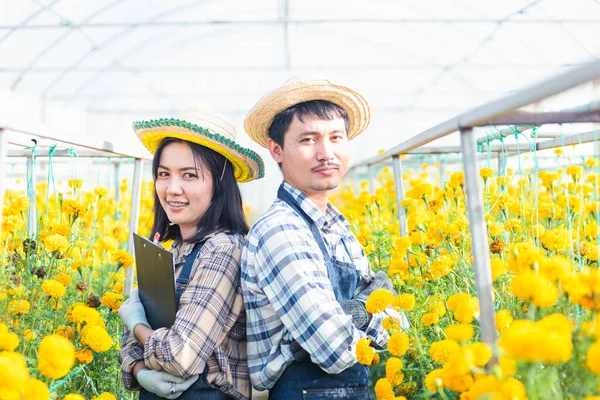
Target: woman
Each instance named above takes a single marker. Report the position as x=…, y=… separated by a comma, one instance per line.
x=197, y=203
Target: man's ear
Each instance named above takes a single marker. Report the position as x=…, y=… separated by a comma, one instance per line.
x=275, y=150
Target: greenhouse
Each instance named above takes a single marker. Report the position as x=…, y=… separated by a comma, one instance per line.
x=473, y=194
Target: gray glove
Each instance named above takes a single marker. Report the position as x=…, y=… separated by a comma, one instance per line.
x=163, y=384
x=379, y=281
x=132, y=311
x=357, y=311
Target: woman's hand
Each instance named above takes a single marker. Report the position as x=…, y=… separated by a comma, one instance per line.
x=132, y=311
x=163, y=384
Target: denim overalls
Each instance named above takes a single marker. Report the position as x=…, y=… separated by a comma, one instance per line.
x=304, y=379
x=201, y=389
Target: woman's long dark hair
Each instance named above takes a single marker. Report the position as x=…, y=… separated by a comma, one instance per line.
x=225, y=211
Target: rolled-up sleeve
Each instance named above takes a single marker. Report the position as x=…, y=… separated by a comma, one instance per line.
x=210, y=302
x=131, y=352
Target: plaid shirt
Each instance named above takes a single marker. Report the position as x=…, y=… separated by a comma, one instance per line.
x=209, y=328
x=288, y=294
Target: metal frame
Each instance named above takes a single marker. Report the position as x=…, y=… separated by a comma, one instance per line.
x=503, y=111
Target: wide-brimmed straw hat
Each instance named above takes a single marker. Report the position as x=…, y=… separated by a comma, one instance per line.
x=208, y=129
x=298, y=90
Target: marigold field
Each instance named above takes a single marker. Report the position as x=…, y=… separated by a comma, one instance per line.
x=59, y=290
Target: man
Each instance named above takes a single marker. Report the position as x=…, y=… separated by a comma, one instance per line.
x=305, y=277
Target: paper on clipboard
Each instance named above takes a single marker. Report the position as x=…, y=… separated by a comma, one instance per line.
x=156, y=282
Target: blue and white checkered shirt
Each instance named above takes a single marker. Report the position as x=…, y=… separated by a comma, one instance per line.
x=289, y=297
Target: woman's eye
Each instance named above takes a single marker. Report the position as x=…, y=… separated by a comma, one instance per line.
x=163, y=174
x=189, y=175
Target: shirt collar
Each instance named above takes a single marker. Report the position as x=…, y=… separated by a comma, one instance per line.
x=332, y=215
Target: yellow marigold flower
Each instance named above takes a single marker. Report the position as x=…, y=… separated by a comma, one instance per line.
x=575, y=171
x=112, y=300
x=364, y=351
x=513, y=389
x=398, y=267
x=556, y=239
x=402, y=245
x=14, y=373
x=433, y=380
x=456, y=382
x=593, y=358
x=74, y=396
x=123, y=257
x=53, y=288
x=84, y=356
x=56, y=356
x=108, y=243
x=60, y=229
x=498, y=268
x=72, y=207
x=430, y=319
x=8, y=341
x=558, y=151
x=101, y=191
x=390, y=323
x=456, y=299
x=555, y=267
x=405, y=301
x=90, y=316
x=75, y=183
x=65, y=331
x=384, y=390
x=457, y=179
x=64, y=279
x=96, y=337
x=379, y=300
x=508, y=366
x=484, y=386
x=18, y=307
x=393, y=371
x=503, y=320
x=28, y=334
x=35, y=390
x=54, y=243
x=459, y=332
x=436, y=307
x=117, y=287
x=441, y=350
x=398, y=344
x=482, y=353
x=104, y=396
x=495, y=229
x=486, y=173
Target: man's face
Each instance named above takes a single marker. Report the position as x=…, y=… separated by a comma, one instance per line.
x=314, y=157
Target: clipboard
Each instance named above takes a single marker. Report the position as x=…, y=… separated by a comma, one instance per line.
x=156, y=282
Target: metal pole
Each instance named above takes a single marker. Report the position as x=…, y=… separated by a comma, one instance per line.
x=372, y=179
x=134, y=217
x=442, y=170
x=502, y=159
x=479, y=242
x=3, y=151
x=117, y=171
x=397, y=166
x=32, y=212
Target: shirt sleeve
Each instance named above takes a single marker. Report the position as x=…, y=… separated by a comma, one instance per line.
x=211, y=301
x=295, y=281
x=130, y=353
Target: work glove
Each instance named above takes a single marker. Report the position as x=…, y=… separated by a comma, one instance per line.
x=379, y=281
x=163, y=384
x=132, y=311
x=358, y=312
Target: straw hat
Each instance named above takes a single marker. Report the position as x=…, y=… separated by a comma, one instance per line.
x=298, y=90
x=207, y=129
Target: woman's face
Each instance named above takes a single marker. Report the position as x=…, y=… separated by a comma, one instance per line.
x=184, y=186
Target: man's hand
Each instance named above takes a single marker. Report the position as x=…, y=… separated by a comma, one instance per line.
x=379, y=281
x=132, y=311
x=163, y=384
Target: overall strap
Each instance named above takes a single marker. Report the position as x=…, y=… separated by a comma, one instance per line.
x=284, y=196
x=186, y=270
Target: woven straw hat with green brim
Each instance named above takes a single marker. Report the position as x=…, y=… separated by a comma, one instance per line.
x=206, y=129
x=298, y=90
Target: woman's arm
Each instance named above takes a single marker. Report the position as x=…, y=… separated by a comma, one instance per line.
x=209, y=307
x=131, y=354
